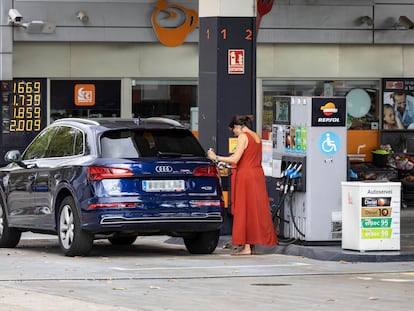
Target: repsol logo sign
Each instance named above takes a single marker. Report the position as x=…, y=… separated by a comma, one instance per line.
x=329, y=120
x=328, y=111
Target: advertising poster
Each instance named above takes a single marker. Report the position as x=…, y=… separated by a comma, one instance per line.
x=398, y=104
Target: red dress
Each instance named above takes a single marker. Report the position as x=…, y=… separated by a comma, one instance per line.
x=252, y=222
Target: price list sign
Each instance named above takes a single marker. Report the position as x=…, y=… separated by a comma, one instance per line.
x=376, y=218
x=371, y=214
x=23, y=111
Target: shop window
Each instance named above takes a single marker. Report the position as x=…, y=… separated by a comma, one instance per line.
x=275, y=90
x=362, y=115
x=169, y=99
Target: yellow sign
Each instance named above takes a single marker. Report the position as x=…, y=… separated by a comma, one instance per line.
x=376, y=233
x=232, y=144
x=376, y=212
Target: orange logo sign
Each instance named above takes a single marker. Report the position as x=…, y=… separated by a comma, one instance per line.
x=183, y=23
x=84, y=95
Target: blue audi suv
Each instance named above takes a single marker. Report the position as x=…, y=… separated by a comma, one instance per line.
x=88, y=179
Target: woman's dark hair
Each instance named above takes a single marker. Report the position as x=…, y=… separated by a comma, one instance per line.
x=241, y=120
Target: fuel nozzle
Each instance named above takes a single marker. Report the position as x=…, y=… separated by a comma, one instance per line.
x=291, y=169
x=296, y=173
x=284, y=173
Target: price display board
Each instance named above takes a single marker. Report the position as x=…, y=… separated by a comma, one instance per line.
x=23, y=104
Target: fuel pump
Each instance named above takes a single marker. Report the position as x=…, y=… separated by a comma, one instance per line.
x=309, y=154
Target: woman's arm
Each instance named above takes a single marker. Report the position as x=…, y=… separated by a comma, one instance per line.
x=242, y=142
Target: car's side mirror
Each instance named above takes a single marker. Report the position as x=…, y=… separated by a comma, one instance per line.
x=14, y=156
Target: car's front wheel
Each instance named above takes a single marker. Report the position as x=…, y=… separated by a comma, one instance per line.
x=9, y=237
x=72, y=239
x=202, y=242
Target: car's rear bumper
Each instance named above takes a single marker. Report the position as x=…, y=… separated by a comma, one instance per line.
x=112, y=220
x=172, y=223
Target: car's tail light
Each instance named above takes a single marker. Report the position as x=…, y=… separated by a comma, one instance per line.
x=206, y=203
x=96, y=173
x=207, y=171
x=113, y=205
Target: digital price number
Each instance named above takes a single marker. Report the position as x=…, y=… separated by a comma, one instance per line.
x=26, y=108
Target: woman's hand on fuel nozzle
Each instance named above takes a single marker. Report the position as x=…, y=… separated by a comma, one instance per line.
x=211, y=154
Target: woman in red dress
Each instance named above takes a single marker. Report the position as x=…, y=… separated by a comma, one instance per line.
x=252, y=223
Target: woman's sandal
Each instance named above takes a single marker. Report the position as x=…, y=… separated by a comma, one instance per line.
x=243, y=252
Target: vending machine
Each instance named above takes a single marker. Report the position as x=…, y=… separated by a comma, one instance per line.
x=309, y=163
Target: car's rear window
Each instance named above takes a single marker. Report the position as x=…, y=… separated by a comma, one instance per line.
x=150, y=143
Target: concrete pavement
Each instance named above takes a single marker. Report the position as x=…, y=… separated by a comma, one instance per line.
x=157, y=273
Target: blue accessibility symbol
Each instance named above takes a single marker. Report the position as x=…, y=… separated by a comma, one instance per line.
x=329, y=143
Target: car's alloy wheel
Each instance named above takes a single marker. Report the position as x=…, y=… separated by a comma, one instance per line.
x=202, y=242
x=9, y=237
x=73, y=240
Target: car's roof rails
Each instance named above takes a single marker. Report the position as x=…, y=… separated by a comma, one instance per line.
x=96, y=121
x=80, y=120
x=163, y=120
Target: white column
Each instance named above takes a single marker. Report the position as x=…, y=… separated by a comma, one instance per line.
x=227, y=8
x=6, y=42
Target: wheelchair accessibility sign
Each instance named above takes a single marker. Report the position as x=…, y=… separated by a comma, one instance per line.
x=329, y=143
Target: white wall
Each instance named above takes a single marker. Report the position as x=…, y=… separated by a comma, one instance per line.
x=153, y=60
x=334, y=61
x=104, y=60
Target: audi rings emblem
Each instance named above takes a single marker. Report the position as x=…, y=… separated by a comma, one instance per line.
x=163, y=169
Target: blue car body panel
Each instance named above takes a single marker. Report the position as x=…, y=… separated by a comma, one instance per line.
x=161, y=195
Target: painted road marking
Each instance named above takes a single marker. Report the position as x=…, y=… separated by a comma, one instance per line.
x=210, y=267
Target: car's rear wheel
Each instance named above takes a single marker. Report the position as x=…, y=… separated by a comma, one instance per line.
x=123, y=240
x=202, y=242
x=72, y=239
x=9, y=237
